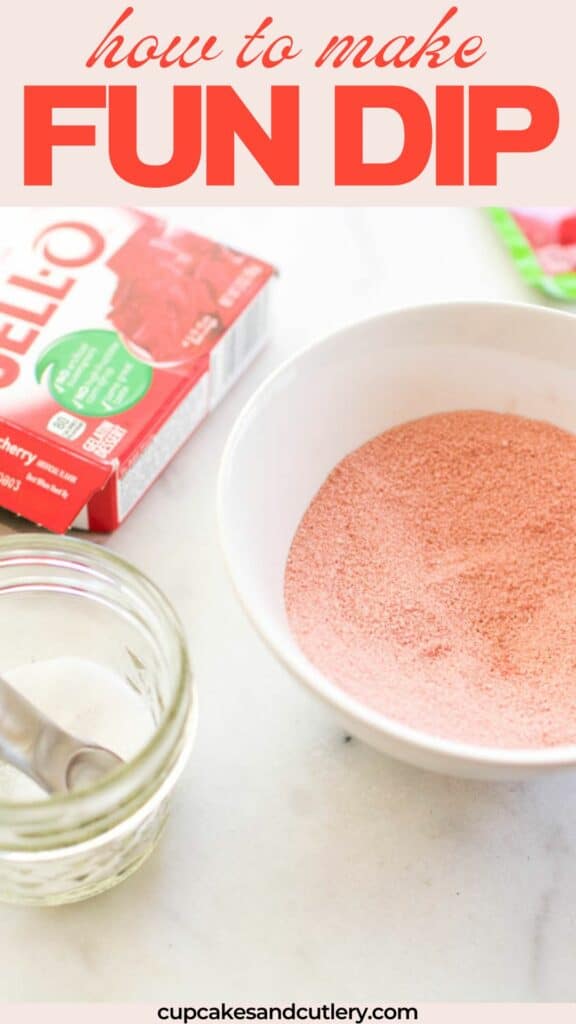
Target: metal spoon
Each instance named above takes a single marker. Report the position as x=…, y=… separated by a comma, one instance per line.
x=52, y=757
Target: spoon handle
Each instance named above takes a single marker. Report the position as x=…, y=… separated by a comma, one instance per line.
x=32, y=743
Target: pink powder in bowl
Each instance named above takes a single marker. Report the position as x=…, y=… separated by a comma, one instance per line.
x=433, y=577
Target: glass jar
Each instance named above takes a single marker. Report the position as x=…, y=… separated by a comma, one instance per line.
x=61, y=597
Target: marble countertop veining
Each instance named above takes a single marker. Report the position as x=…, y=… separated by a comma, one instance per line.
x=300, y=864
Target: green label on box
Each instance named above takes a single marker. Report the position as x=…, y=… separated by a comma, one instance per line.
x=92, y=373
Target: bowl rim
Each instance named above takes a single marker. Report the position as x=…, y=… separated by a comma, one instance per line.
x=452, y=750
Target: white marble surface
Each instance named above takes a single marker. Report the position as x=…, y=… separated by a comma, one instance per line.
x=297, y=865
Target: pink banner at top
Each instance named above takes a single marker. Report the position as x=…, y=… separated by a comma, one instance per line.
x=363, y=103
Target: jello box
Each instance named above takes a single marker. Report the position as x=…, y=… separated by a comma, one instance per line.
x=118, y=334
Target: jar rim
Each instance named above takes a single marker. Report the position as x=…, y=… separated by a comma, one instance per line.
x=92, y=806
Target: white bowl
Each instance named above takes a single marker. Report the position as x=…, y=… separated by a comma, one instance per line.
x=340, y=393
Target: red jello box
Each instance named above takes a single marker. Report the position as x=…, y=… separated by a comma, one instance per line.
x=118, y=334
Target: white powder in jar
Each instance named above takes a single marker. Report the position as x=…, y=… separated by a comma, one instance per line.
x=87, y=699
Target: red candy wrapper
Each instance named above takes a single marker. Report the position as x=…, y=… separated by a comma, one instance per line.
x=542, y=243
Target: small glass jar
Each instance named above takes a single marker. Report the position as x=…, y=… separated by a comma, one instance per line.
x=60, y=597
